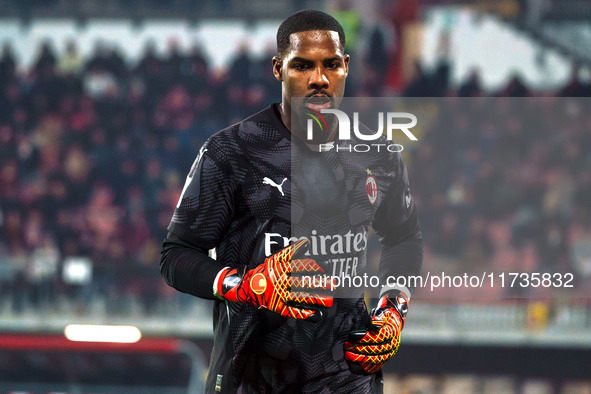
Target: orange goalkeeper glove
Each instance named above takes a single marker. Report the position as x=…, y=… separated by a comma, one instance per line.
x=371, y=349
x=270, y=284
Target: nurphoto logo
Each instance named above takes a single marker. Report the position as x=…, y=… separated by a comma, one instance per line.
x=392, y=124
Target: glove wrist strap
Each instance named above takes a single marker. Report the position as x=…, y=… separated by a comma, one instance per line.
x=226, y=281
x=216, y=281
x=397, y=300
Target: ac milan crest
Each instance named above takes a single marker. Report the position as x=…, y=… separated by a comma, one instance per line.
x=371, y=188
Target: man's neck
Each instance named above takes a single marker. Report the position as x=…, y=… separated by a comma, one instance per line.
x=285, y=114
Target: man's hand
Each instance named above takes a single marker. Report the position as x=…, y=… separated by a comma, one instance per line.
x=371, y=349
x=270, y=284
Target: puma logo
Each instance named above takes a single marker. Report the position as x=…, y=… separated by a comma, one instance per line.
x=268, y=181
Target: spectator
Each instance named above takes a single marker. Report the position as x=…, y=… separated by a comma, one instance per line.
x=70, y=63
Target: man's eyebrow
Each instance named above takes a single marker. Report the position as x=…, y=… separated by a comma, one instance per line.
x=300, y=59
x=304, y=60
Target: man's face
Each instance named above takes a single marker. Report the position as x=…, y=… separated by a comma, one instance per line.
x=314, y=67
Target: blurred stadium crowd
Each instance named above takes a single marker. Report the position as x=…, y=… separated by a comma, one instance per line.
x=94, y=153
x=504, y=186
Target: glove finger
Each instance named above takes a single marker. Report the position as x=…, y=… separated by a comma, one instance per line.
x=299, y=283
x=286, y=254
x=309, y=299
x=299, y=313
x=370, y=364
x=372, y=350
x=367, y=359
x=356, y=336
x=299, y=248
x=386, y=329
x=385, y=334
x=375, y=338
x=309, y=266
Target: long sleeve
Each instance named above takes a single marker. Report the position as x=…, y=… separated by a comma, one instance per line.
x=200, y=220
x=187, y=268
x=400, y=233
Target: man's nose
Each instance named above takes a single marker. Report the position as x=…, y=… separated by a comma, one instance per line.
x=318, y=79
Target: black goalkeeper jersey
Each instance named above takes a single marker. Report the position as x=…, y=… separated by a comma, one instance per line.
x=251, y=192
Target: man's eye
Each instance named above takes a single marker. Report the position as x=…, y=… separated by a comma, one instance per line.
x=332, y=66
x=299, y=66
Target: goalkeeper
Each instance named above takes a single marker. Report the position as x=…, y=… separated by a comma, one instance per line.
x=274, y=332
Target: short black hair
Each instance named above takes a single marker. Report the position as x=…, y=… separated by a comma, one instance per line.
x=306, y=20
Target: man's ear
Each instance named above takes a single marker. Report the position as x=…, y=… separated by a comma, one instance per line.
x=277, y=64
